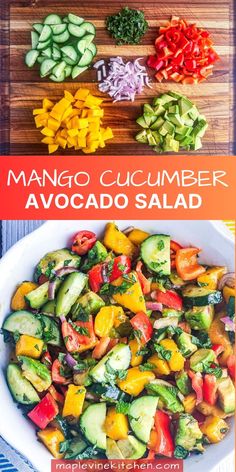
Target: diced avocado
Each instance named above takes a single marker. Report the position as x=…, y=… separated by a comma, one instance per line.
x=188, y=434
x=200, y=317
x=157, y=123
x=131, y=447
x=174, y=119
x=158, y=110
x=49, y=307
x=76, y=446
x=97, y=254
x=167, y=393
x=174, y=109
x=183, y=382
x=185, y=105
x=69, y=291
x=197, y=144
x=170, y=312
x=226, y=392
x=55, y=260
x=88, y=304
x=112, y=450
x=201, y=359
x=21, y=389
x=185, y=344
x=36, y=372
x=175, y=95
x=151, y=139
x=156, y=136
x=141, y=137
x=149, y=118
x=183, y=130
x=171, y=144
x=199, y=129
x=141, y=121
x=167, y=128
x=193, y=113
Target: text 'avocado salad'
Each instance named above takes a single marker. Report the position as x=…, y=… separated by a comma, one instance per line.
x=123, y=348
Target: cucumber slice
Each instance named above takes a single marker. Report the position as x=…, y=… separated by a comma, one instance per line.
x=61, y=38
x=31, y=57
x=56, y=53
x=84, y=43
x=40, y=59
x=69, y=292
x=200, y=296
x=118, y=359
x=45, y=34
x=44, y=44
x=89, y=27
x=86, y=59
x=59, y=69
x=70, y=52
x=76, y=20
x=51, y=331
x=76, y=31
x=141, y=416
x=69, y=61
x=47, y=53
x=155, y=253
x=46, y=67
x=76, y=446
x=39, y=296
x=92, y=424
x=49, y=308
x=34, y=39
x=52, y=19
x=67, y=71
x=21, y=389
x=93, y=48
x=61, y=78
x=77, y=71
x=58, y=29
x=38, y=27
x=65, y=19
x=23, y=322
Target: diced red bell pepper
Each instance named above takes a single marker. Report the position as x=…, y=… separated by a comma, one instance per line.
x=142, y=323
x=197, y=384
x=57, y=377
x=210, y=389
x=121, y=265
x=100, y=273
x=43, y=413
x=144, y=282
x=187, y=265
x=83, y=242
x=170, y=298
x=95, y=278
x=174, y=247
x=162, y=438
x=77, y=334
x=218, y=349
x=231, y=365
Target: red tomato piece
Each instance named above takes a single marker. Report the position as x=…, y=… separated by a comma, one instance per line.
x=57, y=377
x=78, y=334
x=187, y=265
x=43, y=413
x=144, y=282
x=170, y=298
x=210, y=389
x=83, y=242
x=143, y=325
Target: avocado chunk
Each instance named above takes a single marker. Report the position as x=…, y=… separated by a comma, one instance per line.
x=170, y=312
x=88, y=304
x=21, y=389
x=183, y=382
x=167, y=393
x=226, y=392
x=49, y=307
x=131, y=447
x=112, y=450
x=185, y=344
x=36, y=372
x=97, y=254
x=188, y=435
x=56, y=260
x=201, y=359
x=200, y=317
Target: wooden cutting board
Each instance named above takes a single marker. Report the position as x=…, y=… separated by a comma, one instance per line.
x=213, y=97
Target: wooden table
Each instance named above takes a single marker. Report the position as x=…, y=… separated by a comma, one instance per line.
x=213, y=97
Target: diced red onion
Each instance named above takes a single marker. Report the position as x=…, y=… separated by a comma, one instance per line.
x=154, y=306
x=165, y=322
x=227, y=279
x=98, y=64
x=62, y=318
x=70, y=360
x=128, y=230
x=104, y=274
x=52, y=289
x=228, y=323
x=154, y=295
x=65, y=271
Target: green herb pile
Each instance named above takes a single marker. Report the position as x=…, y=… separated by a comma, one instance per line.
x=128, y=26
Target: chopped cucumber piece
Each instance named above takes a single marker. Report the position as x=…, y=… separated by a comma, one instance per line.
x=56, y=53
x=59, y=69
x=44, y=44
x=94, y=430
x=86, y=59
x=58, y=29
x=21, y=389
x=52, y=19
x=47, y=53
x=46, y=67
x=77, y=71
x=141, y=416
x=70, y=52
x=155, y=252
x=89, y=27
x=61, y=78
x=38, y=27
x=23, y=322
x=61, y=38
x=92, y=47
x=31, y=57
x=67, y=71
x=45, y=34
x=34, y=39
x=84, y=43
x=76, y=20
x=76, y=31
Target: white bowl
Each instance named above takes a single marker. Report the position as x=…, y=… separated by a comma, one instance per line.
x=18, y=264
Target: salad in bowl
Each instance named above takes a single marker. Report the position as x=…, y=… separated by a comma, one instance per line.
x=131, y=330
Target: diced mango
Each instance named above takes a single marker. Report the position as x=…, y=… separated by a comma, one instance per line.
x=161, y=365
x=18, y=301
x=116, y=425
x=52, y=148
x=189, y=403
x=135, y=381
x=136, y=358
x=108, y=134
x=39, y=111
x=177, y=360
x=51, y=438
x=73, y=132
x=79, y=104
x=132, y=298
x=117, y=241
x=96, y=112
x=228, y=292
x=74, y=401
x=82, y=123
x=214, y=428
x=81, y=94
x=29, y=346
x=48, y=132
x=211, y=277
x=137, y=236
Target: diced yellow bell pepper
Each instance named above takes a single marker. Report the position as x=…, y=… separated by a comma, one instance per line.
x=41, y=120
x=48, y=132
x=117, y=241
x=72, y=141
x=137, y=236
x=51, y=438
x=92, y=102
x=135, y=381
x=189, y=403
x=228, y=292
x=47, y=104
x=214, y=428
x=211, y=277
x=68, y=96
x=218, y=335
x=84, y=113
x=177, y=360
x=93, y=136
x=18, y=301
x=48, y=140
x=94, y=126
x=162, y=367
x=81, y=94
x=108, y=134
x=135, y=347
x=132, y=298
x=53, y=124
x=52, y=148
x=83, y=132
x=74, y=401
x=39, y=111
x=116, y=425
x=29, y=346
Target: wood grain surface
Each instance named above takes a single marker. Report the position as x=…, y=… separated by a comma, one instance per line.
x=213, y=97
